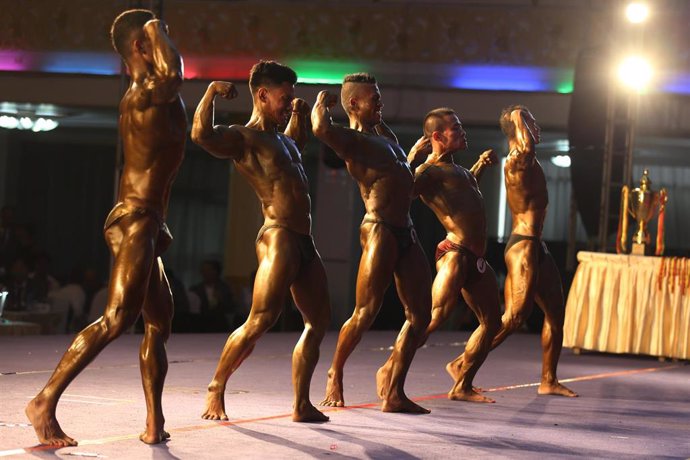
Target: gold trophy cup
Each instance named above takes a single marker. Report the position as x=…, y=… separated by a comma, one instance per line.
x=642, y=204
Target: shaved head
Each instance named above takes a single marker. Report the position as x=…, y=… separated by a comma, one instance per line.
x=350, y=85
x=436, y=120
x=125, y=26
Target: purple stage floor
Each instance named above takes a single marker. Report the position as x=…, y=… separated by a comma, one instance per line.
x=629, y=407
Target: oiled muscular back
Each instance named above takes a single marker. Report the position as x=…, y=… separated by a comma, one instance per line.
x=153, y=142
x=526, y=192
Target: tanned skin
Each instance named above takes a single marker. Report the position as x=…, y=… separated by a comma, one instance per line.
x=379, y=166
x=528, y=279
x=272, y=164
x=452, y=192
x=153, y=129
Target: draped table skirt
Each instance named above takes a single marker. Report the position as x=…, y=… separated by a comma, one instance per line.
x=629, y=304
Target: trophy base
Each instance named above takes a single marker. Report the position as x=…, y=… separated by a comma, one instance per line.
x=639, y=249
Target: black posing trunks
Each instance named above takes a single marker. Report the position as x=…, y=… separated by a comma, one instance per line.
x=406, y=236
x=307, y=249
x=121, y=210
x=516, y=238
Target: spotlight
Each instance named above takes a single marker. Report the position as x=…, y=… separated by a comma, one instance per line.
x=27, y=123
x=635, y=73
x=637, y=12
x=562, y=161
x=29, y=117
x=8, y=122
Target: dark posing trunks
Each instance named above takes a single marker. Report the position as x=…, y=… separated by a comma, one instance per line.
x=121, y=210
x=307, y=249
x=406, y=236
x=516, y=238
x=476, y=265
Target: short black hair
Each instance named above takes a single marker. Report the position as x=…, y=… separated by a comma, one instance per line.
x=507, y=125
x=434, y=120
x=123, y=26
x=270, y=73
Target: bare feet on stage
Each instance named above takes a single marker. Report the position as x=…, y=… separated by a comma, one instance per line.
x=334, y=391
x=306, y=413
x=471, y=396
x=154, y=432
x=155, y=437
x=382, y=381
x=215, y=406
x=45, y=424
x=402, y=404
x=453, y=368
x=556, y=389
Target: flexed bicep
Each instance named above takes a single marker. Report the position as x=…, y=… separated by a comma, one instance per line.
x=523, y=134
x=163, y=83
x=342, y=140
x=219, y=140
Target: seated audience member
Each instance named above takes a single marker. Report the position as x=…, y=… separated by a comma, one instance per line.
x=71, y=300
x=41, y=279
x=217, y=305
x=20, y=291
x=8, y=240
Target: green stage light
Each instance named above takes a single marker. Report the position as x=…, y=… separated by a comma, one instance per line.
x=565, y=87
x=324, y=72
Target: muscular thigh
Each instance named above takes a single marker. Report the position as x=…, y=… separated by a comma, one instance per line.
x=413, y=279
x=450, y=277
x=279, y=264
x=523, y=272
x=482, y=295
x=549, y=295
x=310, y=292
x=132, y=242
x=379, y=255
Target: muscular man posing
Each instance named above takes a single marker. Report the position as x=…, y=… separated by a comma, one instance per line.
x=288, y=260
x=451, y=191
x=389, y=243
x=532, y=272
x=153, y=126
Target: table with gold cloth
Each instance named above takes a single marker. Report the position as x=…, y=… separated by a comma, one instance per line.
x=629, y=304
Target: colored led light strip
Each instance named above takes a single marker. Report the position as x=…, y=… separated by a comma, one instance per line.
x=470, y=77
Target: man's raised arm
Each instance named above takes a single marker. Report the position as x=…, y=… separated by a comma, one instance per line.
x=523, y=135
x=298, y=126
x=219, y=141
x=340, y=139
x=487, y=158
x=168, y=72
x=419, y=152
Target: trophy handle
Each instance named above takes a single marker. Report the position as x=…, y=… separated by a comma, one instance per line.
x=622, y=234
x=663, y=198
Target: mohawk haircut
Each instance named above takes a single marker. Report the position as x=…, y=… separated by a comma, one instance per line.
x=360, y=77
x=270, y=73
x=435, y=120
x=123, y=27
x=507, y=125
x=347, y=89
